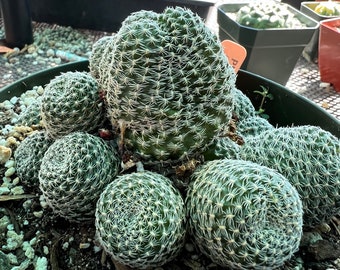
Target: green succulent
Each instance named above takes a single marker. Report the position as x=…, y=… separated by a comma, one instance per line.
x=31, y=115
x=264, y=14
x=70, y=103
x=28, y=157
x=167, y=84
x=74, y=171
x=98, y=48
x=243, y=107
x=243, y=215
x=309, y=157
x=140, y=220
x=253, y=126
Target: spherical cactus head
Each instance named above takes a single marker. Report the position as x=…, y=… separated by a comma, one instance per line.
x=71, y=102
x=98, y=49
x=74, y=171
x=309, y=157
x=140, y=220
x=31, y=115
x=168, y=85
x=28, y=157
x=243, y=215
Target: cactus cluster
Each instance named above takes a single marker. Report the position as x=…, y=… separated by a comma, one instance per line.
x=309, y=157
x=28, y=156
x=140, y=220
x=167, y=84
x=74, y=171
x=71, y=102
x=265, y=14
x=243, y=215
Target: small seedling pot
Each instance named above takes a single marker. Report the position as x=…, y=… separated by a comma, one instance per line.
x=271, y=53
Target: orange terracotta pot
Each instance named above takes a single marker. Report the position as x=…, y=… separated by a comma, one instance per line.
x=329, y=52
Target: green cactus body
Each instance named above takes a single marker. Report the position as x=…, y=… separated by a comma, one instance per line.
x=140, y=220
x=243, y=215
x=243, y=108
x=28, y=157
x=31, y=115
x=98, y=49
x=70, y=103
x=74, y=171
x=253, y=126
x=168, y=85
x=309, y=157
x=264, y=14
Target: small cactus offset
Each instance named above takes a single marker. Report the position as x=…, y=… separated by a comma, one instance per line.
x=168, y=85
x=28, y=157
x=309, y=157
x=140, y=220
x=243, y=107
x=98, y=49
x=74, y=171
x=31, y=115
x=70, y=103
x=243, y=215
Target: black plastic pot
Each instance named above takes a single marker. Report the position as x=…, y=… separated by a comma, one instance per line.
x=271, y=53
x=311, y=50
x=105, y=15
x=16, y=15
x=287, y=108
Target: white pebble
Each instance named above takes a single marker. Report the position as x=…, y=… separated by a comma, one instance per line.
x=14, y=100
x=4, y=190
x=38, y=214
x=18, y=190
x=10, y=171
x=41, y=264
x=10, y=163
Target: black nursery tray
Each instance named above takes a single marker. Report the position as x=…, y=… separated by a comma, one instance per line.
x=285, y=109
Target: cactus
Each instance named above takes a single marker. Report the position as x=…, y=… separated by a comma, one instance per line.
x=243, y=107
x=309, y=157
x=70, y=103
x=31, y=115
x=253, y=126
x=140, y=220
x=328, y=8
x=74, y=171
x=265, y=14
x=243, y=215
x=98, y=49
x=28, y=157
x=167, y=83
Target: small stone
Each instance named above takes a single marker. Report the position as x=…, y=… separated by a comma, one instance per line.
x=38, y=214
x=9, y=172
x=10, y=163
x=189, y=247
x=4, y=222
x=18, y=190
x=84, y=245
x=4, y=190
x=5, y=154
